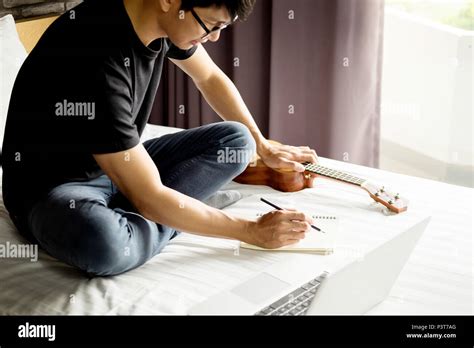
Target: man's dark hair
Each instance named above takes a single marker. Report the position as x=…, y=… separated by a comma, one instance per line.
x=241, y=8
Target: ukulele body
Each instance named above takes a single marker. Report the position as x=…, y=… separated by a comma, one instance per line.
x=257, y=173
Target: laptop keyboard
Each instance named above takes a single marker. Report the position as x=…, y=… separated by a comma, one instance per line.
x=297, y=302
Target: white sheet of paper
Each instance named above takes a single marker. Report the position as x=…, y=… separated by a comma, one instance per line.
x=322, y=243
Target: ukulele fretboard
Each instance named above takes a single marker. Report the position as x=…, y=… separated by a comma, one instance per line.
x=334, y=174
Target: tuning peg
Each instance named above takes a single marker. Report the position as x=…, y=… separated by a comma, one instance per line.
x=397, y=196
x=390, y=202
x=382, y=190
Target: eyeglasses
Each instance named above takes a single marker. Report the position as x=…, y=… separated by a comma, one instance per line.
x=213, y=30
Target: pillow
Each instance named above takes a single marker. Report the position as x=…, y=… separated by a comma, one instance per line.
x=12, y=56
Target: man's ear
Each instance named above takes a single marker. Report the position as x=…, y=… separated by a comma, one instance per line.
x=166, y=5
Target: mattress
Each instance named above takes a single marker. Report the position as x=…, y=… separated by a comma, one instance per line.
x=437, y=279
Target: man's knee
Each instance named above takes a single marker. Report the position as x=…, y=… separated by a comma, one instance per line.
x=85, y=234
x=122, y=241
x=90, y=237
x=104, y=262
x=102, y=250
x=238, y=146
x=237, y=135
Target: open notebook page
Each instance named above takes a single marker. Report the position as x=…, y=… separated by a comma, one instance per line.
x=322, y=243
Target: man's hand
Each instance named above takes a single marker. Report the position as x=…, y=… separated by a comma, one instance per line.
x=287, y=157
x=279, y=228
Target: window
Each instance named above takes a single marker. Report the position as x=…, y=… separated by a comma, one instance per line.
x=427, y=113
x=456, y=13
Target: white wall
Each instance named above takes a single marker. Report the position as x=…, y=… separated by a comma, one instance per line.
x=427, y=96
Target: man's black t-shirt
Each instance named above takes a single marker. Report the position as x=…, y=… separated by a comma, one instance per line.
x=87, y=88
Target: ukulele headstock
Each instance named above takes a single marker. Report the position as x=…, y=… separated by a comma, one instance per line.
x=393, y=201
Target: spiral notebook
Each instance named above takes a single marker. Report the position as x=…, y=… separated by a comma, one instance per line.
x=316, y=242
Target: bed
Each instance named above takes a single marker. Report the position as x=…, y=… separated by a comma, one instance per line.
x=437, y=279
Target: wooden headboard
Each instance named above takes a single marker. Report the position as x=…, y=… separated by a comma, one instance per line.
x=30, y=31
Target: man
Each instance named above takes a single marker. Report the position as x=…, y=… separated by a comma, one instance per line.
x=78, y=181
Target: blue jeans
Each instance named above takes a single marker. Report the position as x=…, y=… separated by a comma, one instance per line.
x=92, y=226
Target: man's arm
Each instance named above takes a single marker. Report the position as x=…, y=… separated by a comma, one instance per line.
x=220, y=92
x=137, y=177
x=222, y=95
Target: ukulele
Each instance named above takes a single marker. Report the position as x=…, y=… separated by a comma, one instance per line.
x=286, y=180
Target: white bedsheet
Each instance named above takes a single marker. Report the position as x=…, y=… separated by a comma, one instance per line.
x=438, y=278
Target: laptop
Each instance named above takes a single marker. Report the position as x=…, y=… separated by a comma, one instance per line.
x=298, y=287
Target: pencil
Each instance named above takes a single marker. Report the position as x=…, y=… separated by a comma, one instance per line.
x=278, y=208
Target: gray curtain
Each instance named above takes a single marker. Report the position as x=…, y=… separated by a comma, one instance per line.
x=309, y=70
